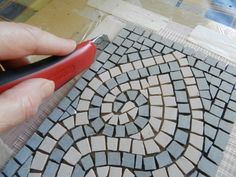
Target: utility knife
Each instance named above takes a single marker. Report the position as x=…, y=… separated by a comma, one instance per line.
x=59, y=69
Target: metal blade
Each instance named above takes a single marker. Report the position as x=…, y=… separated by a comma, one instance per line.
x=101, y=41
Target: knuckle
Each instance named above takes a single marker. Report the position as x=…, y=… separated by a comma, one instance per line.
x=34, y=34
x=28, y=107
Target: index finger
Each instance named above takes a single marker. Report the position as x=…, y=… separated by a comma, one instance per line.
x=20, y=40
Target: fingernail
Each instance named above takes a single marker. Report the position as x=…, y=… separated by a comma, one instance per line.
x=47, y=87
x=72, y=43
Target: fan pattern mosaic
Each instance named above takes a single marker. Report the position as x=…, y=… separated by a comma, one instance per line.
x=146, y=107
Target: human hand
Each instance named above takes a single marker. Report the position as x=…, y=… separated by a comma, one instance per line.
x=18, y=41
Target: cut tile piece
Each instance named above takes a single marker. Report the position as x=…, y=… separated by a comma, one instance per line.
x=57, y=155
x=174, y=171
x=81, y=118
x=184, y=121
x=108, y=130
x=149, y=163
x=135, y=85
x=45, y=126
x=192, y=154
x=47, y=144
x=125, y=144
x=186, y=71
x=91, y=173
x=102, y=171
x=144, y=111
x=97, y=125
x=64, y=170
x=168, y=127
x=106, y=107
x=156, y=111
x=112, y=143
x=12, y=166
x=175, y=149
x=126, y=67
x=207, y=166
x=211, y=119
x=115, y=171
x=138, y=64
x=163, y=139
x=127, y=173
x=84, y=146
x=163, y=159
x=124, y=87
x=196, y=103
x=196, y=140
x=216, y=155
x=167, y=90
x=72, y=156
x=78, y=171
x=148, y=62
x=230, y=115
x=104, y=77
x=160, y=172
x=83, y=105
x=152, y=80
x=98, y=143
x=69, y=123
x=65, y=142
x=138, y=147
x=181, y=136
x=151, y=146
x=197, y=127
x=114, y=120
x=145, y=54
x=185, y=165
x=155, y=123
x=154, y=90
x=133, y=113
x=55, y=115
x=34, y=141
x=193, y=91
x=131, y=128
x=147, y=132
x=164, y=79
x=159, y=59
x=87, y=94
x=115, y=71
x=39, y=161
x=95, y=83
x=170, y=113
x=221, y=139
x=87, y=162
x=57, y=131
x=25, y=168
x=114, y=158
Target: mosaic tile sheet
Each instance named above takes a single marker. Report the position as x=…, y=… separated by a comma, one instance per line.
x=146, y=107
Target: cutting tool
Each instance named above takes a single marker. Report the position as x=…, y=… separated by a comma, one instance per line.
x=59, y=69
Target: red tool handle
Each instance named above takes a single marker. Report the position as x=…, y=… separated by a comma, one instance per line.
x=58, y=69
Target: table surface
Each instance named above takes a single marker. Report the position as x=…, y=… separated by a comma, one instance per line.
x=75, y=19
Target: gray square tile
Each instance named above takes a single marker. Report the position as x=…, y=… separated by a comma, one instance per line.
x=113, y=158
x=163, y=159
x=128, y=160
x=175, y=149
x=207, y=166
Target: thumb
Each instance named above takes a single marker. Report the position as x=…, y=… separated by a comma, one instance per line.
x=22, y=101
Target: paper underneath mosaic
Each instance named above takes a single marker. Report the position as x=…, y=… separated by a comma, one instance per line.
x=146, y=107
